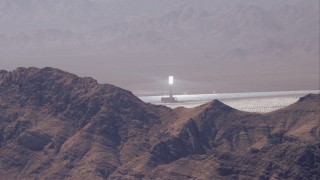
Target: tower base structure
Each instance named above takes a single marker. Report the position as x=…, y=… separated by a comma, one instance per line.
x=169, y=100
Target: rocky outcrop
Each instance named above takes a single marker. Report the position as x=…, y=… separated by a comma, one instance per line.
x=55, y=125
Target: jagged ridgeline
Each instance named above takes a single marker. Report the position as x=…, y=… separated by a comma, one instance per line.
x=55, y=125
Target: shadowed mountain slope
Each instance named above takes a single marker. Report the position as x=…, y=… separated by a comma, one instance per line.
x=56, y=125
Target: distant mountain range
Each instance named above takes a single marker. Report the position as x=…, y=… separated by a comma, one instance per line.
x=238, y=27
x=174, y=35
x=56, y=125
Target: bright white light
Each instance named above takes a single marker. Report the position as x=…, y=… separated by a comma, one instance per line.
x=170, y=80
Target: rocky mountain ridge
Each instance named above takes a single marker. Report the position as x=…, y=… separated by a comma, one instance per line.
x=55, y=125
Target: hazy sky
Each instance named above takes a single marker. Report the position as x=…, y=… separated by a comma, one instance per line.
x=226, y=46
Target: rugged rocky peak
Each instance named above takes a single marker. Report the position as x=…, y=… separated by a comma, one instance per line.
x=2, y=72
x=216, y=107
x=217, y=104
x=216, y=114
x=56, y=125
x=310, y=102
x=310, y=99
x=69, y=118
x=52, y=87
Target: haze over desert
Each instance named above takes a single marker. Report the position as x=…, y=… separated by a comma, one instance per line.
x=159, y=89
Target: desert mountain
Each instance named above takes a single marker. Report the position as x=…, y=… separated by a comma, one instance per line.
x=56, y=125
x=266, y=28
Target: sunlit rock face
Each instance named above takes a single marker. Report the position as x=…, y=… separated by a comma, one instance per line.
x=56, y=125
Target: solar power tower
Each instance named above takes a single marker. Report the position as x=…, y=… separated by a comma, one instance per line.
x=169, y=99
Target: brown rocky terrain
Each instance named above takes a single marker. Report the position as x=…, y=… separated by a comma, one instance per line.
x=55, y=125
